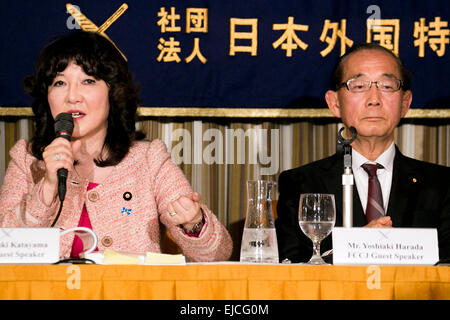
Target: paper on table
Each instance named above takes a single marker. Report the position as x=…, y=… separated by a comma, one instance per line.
x=161, y=258
x=112, y=257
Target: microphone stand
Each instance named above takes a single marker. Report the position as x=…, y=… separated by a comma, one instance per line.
x=347, y=178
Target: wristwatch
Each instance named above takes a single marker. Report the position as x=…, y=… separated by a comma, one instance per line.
x=197, y=227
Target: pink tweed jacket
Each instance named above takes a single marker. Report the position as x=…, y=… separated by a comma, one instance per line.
x=125, y=209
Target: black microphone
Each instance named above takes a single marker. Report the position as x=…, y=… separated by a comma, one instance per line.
x=343, y=146
x=344, y=141
x=64, y=129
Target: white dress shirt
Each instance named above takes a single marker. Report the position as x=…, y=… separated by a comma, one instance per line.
x=386, y=159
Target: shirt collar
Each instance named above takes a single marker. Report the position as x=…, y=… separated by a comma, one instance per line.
x=386, y=159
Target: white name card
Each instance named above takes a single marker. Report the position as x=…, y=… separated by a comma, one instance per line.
x=385, y=246
x=29, y=245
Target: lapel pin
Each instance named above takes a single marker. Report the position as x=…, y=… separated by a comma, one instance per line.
x=414, y=180
x=125, y=210
x=127, y=196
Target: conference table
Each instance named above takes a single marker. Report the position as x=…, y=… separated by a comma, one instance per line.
x=223, y=281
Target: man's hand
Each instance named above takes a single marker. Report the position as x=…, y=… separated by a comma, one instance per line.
x=383, y=222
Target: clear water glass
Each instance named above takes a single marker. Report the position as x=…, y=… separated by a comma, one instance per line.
x=316, y=217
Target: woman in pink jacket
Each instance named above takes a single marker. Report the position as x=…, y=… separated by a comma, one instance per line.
x=118, y=185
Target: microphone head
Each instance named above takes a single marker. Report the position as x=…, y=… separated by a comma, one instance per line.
x=64, y=123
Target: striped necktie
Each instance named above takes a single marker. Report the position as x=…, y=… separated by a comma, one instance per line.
x=375, y=207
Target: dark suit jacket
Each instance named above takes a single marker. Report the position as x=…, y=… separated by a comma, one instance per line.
x=420, y=197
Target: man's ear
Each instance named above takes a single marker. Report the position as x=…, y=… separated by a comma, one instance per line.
x=332, y=100
x=406, y=102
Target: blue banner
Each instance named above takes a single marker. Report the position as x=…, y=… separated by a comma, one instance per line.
x=234, y=54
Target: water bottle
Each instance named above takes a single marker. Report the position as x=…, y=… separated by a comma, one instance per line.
x=259, y=239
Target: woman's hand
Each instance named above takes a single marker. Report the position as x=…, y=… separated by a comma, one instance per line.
x=58, y=154
x=186, y=211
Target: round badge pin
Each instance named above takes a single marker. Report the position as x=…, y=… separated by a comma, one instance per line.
x=127, y=196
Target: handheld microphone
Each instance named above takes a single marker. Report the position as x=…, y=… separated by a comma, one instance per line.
x=64, y=129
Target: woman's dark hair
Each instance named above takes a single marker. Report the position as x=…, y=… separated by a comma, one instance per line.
x=100, y=59
x=336, y=76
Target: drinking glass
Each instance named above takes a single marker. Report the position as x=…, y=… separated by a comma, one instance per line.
x=316, y=216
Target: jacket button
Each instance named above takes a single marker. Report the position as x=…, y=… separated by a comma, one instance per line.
x=107, y=241
x=93, y=196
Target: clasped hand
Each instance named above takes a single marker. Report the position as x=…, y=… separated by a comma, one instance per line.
x=383, y=222
x=185, y=211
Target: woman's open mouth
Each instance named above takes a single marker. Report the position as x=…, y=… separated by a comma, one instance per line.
x=76, y=115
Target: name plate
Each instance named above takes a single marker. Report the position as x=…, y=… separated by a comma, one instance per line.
x=385, y=246
x=29, y=245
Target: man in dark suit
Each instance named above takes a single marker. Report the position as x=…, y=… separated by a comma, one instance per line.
x=370, y=92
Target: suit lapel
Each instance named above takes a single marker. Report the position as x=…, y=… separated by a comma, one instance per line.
x=403, y=191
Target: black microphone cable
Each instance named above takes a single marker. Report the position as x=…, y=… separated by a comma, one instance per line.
x=58, y=214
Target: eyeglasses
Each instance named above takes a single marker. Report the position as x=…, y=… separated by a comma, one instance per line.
x=385, y=85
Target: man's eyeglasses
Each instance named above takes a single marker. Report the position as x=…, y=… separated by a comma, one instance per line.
x=385, y=85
